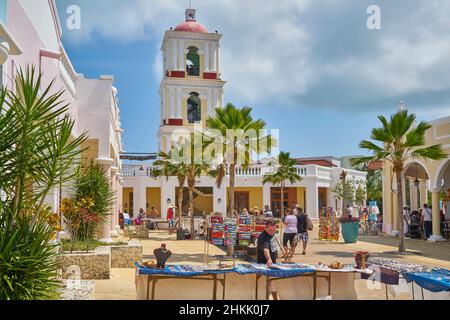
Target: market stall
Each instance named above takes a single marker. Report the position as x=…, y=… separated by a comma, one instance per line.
x=423, y=282
x=244, y=282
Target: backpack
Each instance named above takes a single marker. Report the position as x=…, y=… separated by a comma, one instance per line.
x=309, y=224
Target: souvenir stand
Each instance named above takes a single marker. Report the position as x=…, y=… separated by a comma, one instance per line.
x=328, y=225
x=243, y=282
x=244, y=230
x=216, y=231
x=230, y=231
x=392, y=272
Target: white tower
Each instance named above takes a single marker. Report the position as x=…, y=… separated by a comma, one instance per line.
x=191, y=88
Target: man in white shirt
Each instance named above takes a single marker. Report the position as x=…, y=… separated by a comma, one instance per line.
x=427, y=217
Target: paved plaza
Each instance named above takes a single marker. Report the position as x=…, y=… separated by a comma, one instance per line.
x=121, y=285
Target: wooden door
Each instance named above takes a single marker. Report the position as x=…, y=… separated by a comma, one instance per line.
x=241, y=200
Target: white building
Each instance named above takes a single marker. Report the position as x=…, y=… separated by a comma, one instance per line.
x=190, y=91
x=32, y=31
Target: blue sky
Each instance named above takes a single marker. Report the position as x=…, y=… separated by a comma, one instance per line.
x=309, y=68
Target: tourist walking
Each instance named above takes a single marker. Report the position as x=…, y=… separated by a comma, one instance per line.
x=426, y=218
x=290, y=221
x=302, y=230
x=171, y=218
x=266, y=249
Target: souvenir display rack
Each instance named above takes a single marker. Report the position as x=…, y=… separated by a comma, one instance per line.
x=230, y=231
x=244, y=230
x=217, y=231
x=328, y=225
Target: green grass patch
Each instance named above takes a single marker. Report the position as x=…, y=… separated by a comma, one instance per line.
x=87, y=245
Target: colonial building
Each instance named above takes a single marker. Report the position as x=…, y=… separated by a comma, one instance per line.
x=423, y=181
x=191, y=89
x=30, y=33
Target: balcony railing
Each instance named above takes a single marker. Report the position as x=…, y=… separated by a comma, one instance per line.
x=131, y=170
x=67, y=72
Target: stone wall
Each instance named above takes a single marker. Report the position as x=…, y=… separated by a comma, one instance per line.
x=125, y=256
x=77, y=290
x=86, y=265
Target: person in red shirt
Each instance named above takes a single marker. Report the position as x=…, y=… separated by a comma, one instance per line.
x=171, y=218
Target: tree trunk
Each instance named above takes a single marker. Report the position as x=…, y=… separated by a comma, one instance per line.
x=230, y=247
x=401, y=235
x=282, y=201
x=191, y=210
x=180, y=203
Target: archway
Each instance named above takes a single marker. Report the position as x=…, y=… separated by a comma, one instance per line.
x=415, y=179
x=193, y=62
x=442, y=182
x=194, y=108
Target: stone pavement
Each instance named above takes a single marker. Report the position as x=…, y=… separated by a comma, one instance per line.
x=121, y=285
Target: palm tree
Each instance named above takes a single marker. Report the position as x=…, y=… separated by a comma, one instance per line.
x=284, y=170
x=402, y=140
x=167, y=168
x=240, y=136
x=180, y=162
x=37, y=152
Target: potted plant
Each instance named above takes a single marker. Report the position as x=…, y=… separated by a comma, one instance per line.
x=349, y=227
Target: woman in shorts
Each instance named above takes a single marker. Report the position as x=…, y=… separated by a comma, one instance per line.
x=290, y=222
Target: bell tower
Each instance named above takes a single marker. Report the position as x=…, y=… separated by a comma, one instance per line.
x=191, y=88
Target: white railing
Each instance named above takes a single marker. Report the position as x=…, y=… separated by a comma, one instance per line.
x=132, y=170
x=67, y=72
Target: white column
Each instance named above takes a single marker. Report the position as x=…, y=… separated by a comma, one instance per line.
x=220, y=199
x=215, y=98
x=207, y=51
x=218, y=60
x=436, y=219
x=181, y=59
x=423, y=192
x=209, y=102
x=312, y=200
x=266, y=195
x=214, y=57
x=172, y=103
x=106, y=234
x=173, y=48
x=167, y=192
x=163, y=103
x=139, y=197
x=413, y=194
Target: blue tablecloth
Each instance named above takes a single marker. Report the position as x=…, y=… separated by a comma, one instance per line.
x=436, y=281
x=179, y=270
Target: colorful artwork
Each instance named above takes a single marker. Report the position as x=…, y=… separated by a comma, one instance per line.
x=328, y=225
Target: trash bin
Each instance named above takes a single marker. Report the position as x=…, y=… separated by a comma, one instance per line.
x=181, y=234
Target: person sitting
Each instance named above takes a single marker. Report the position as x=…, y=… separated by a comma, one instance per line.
x=126, y=217
x=154, y=213
x=267, y=212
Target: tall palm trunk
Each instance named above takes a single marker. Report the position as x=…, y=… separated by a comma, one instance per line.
x=231, y=191
x=191, y=210
x=401, y=244
x=180, y=201
x=230, y=247
x=282, y=201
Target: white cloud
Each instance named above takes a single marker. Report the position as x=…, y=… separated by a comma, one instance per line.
x=308, y=52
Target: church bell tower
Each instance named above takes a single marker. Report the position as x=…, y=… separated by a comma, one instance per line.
x=191, y=88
